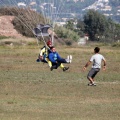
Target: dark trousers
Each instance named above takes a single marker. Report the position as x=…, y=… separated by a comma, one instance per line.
x=59, y=61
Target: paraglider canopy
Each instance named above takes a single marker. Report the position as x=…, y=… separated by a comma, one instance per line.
x=41, y=30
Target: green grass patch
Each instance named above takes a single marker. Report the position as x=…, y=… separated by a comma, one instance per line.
x=117, y=44
x=30, y=91
x=3, y=37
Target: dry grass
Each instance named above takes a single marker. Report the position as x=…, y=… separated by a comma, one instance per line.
x=30, y=91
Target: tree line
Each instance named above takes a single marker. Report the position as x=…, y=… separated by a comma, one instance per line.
x=97, y=26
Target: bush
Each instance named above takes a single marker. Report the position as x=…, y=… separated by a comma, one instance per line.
x=3, y=37
x=66, y=34
x=117, y=44
x=68, y=42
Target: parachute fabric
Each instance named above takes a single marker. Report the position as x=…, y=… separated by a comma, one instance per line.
x=41, y=30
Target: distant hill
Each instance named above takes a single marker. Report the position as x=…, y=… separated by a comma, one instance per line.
x=66, y=9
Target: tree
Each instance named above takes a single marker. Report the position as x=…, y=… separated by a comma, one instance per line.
x=95, y=24
x=80, y=27
x=70, y=25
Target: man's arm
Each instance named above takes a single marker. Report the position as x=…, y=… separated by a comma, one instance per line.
x=87, y=64
x=41, y=53
x=104, y=64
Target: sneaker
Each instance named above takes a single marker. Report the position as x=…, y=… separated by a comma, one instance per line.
x=51, y=68
x=69, y=59
x=91, y=84
x=65, y=68
x=38, y=60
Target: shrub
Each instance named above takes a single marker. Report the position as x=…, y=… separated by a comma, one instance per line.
x=66, y=34
x=3, y=37
x=117, y=44
x=68, y=42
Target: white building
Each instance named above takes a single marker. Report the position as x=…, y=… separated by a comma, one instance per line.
x=60, y=23
x=21, y=4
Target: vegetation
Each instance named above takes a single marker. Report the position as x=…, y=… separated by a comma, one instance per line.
x=3, y=37
x=99, y=28
x=25, y=19
x=116, y=44
x=66, y=33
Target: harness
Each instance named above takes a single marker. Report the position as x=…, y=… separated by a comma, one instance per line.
x=46, y=52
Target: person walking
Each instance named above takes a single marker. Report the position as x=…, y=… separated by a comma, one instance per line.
x=96, y=59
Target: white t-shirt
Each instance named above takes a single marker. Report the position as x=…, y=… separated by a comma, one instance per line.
x=97, y=60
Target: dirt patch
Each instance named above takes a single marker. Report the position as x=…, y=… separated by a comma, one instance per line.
x=7, y=28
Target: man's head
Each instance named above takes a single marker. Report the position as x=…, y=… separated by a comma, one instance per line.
x=97, y=49
x=49, y=43
x=53, y=49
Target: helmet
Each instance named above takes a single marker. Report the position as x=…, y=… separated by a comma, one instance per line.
x=49, y=43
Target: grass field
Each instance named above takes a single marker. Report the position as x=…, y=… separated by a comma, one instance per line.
x=30, y=91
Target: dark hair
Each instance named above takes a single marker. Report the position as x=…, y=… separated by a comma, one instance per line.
x=52, y=47
x=97, y=49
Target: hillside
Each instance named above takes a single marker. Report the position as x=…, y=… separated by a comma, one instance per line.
x=7, y=28
x=67, y=9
